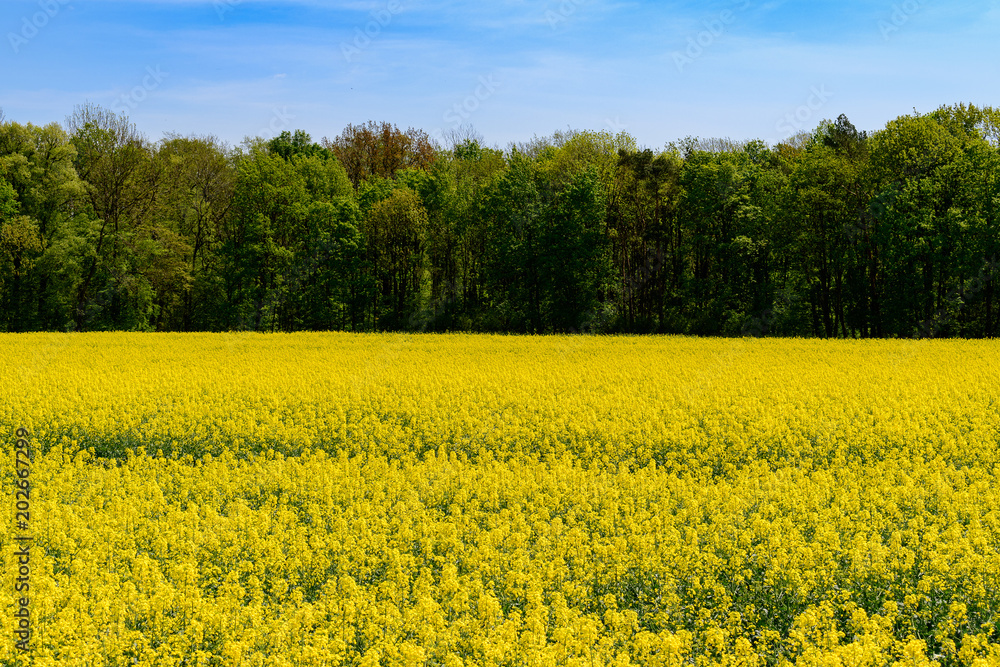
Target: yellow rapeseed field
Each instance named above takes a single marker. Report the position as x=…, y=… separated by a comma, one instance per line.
x=342, y=499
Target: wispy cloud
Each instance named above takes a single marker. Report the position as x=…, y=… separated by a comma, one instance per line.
x=561, y=63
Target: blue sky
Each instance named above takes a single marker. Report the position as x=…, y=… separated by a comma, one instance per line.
x=512, y=69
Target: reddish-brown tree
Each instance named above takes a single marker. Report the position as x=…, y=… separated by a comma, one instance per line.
x=380, y=149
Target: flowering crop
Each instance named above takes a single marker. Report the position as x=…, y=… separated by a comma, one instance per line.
x=338, y=499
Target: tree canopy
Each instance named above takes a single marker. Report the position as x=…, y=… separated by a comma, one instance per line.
x=836, y=233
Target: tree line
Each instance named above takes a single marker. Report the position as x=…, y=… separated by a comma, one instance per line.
x=833, y=233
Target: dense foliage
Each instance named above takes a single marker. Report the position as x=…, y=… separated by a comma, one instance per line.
x=375, y=499
x=836, y=233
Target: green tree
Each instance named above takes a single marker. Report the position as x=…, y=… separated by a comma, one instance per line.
x=441, y=295
x=20, y=242
x=474, y=169
x=917, y=164
x=258, y=237
x=647, y=239
x=327, y=287
x=196, y=195
x=575, y=262
x=726, y=237
x=819, y=211
x=38, y=163
x=512, y=211
x=116, y=163
x=395, y=231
